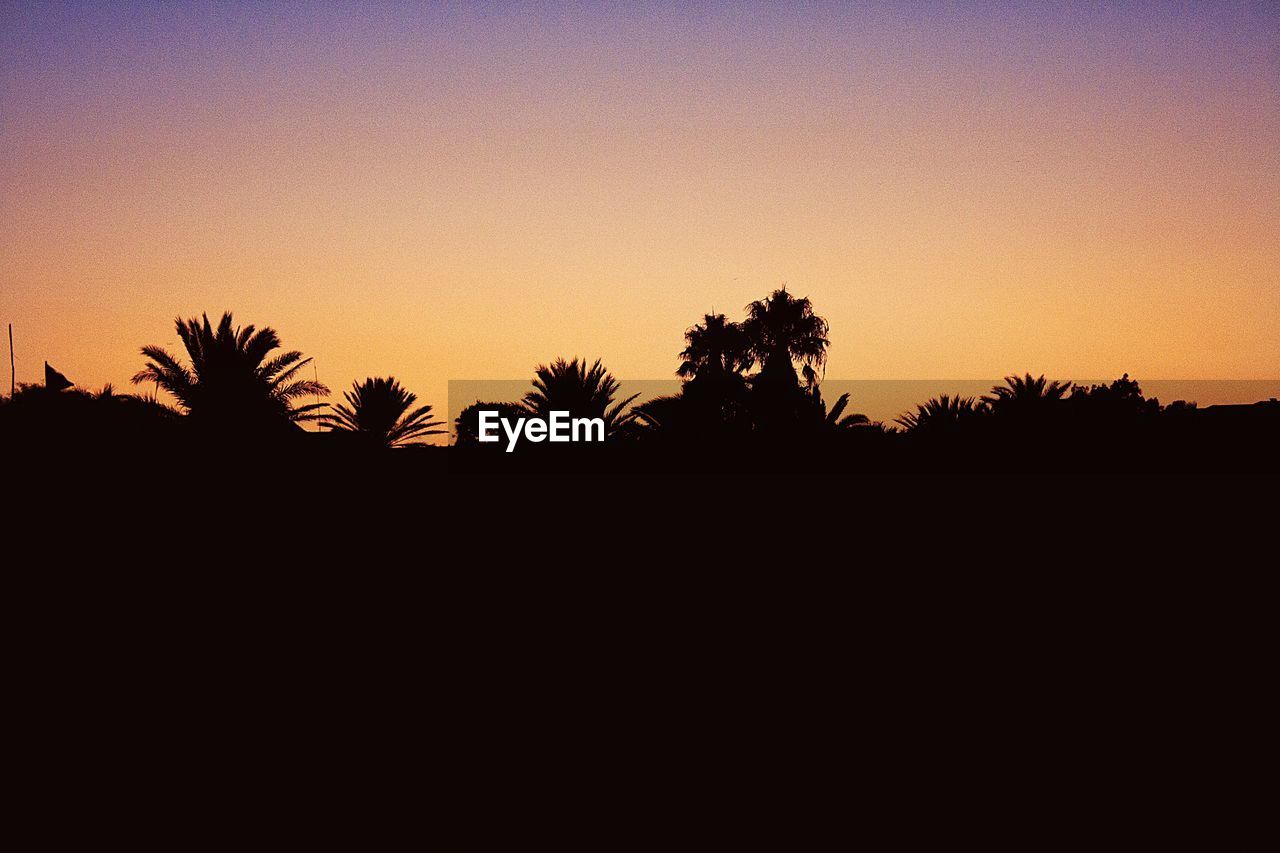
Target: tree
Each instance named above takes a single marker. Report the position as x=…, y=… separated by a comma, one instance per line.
x=467, y=425
x=670, y=415
x=583, y=392
x=714, y=348
x=86, y=423
x=781, y=331
x=1023, y=393
x=230, y=380
x=836, y=419
x=379, y=410
x=1123, y=397
x=941, y=415
x=713, y=397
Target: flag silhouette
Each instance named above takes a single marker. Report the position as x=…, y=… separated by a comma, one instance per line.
x=55, y=381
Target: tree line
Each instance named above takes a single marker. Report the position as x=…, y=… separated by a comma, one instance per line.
x=754, y=383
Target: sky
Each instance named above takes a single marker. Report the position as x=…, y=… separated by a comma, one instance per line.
x=463, y=191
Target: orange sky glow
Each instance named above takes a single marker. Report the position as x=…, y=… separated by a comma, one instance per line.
x=463, y=192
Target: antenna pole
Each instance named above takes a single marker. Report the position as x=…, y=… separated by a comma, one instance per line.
x=12, y=370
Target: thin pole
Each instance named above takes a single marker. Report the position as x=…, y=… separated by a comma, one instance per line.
x=12, y=371
x=315, y=371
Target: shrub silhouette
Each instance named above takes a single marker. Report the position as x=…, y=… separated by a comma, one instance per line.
x=82, y=423
x=1122, y=398
x=467, y=425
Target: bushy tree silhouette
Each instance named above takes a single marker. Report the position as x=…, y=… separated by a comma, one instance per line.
x=82, y=423
x=1120, y=398
x=380, y=412
x=230, y=380
x=467, y=425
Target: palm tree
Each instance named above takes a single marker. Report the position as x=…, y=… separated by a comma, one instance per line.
x=783, y=329
x=837, y=420
x=1025, y=392
x=942, y=414
x=583, y=392
x=715, y=347
x=714, y=394
x=379, y=410
x=230, y=378
x=109, y=399
x=666, y=414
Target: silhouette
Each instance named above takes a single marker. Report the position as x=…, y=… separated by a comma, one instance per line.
x=783, y=330
x=943, y=415
x=55, y=381
x=718, y=402
x=714, y=349
x=467, y=424
x=231, y=383
x=724, y=419
x=713, y=399
x=1121, y=397
x=835, y=420
x=1025, y=394
x=583, y=392
x=86, y=425
x=378, y=411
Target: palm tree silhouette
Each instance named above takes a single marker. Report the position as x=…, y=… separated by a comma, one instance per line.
x=714, y=395
x=836, y=419
x=230, y=379
x=112, y=401
x=378, y=410
x=940, y=415
x=1025, y=393
x=583, y=392
x=714, y=347
x=782, y=329
x=666, y=414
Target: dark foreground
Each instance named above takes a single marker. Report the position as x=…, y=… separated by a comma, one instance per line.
x=317, y=627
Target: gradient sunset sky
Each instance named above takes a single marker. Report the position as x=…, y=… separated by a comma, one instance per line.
x=462, y=191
